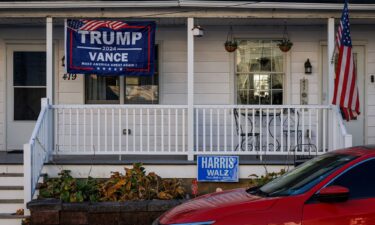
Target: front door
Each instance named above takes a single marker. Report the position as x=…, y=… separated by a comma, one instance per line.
x=355, y=127
x=26, y=85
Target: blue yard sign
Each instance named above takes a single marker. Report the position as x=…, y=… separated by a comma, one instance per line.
x=110, y=47
x=217, y=168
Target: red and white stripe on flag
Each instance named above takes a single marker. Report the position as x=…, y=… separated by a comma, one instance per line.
x=95, y=24
x=346, y=88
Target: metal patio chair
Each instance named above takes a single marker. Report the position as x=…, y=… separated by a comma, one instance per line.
x=252, y=137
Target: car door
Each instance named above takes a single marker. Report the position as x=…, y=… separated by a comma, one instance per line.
x=359, y=209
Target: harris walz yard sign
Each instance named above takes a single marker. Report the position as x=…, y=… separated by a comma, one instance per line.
x=110, y=47
x=217, y=168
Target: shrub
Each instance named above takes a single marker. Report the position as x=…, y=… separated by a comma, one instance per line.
x=70, y=189
x=135, y=184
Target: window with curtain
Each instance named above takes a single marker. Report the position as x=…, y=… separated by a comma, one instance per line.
x=102, y=90
x=259, y=72
x=137, y=90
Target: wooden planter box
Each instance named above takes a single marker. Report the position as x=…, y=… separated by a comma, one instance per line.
x=54, y=212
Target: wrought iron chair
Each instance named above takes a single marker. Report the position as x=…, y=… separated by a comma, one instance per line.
x=294, y=128
x=249, y=134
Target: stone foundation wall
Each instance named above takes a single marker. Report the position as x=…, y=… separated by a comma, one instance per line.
x=54, y=212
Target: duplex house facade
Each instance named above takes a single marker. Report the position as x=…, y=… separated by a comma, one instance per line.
x=259, y=102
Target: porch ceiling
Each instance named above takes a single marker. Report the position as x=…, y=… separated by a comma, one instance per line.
x=40, y=22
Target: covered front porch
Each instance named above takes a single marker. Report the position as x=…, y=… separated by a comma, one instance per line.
x=260, y=116
x=230, y=114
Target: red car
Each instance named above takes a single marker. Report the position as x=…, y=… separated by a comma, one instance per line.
x=335, y=188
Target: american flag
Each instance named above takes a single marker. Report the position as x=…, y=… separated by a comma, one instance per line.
x=91, y=25
x=346, y=89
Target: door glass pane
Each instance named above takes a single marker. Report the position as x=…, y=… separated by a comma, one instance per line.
x=27, y=103
x=29, y=69
x=102, y=89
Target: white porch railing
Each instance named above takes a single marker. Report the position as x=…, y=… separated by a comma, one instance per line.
x=218, y=129
x=120, y=129
x=37, y=150
x=261, y=129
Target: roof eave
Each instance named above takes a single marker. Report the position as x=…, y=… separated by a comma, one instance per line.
x=181, y=4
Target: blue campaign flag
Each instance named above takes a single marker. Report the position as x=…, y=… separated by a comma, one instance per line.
x=217, y=168
x=110, y=48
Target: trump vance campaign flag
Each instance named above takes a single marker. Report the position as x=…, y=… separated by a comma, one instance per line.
x=109, y=48
x=346, y=89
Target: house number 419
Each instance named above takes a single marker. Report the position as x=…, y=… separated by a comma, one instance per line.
x=69, y=76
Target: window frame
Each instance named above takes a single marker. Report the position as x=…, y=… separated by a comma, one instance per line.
x=283, y=72
x=122, y=86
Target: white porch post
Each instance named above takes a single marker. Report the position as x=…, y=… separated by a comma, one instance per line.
x=331, y=63
x=331, y=78
x=190, y=88
x=50, y=82
x=49, y=58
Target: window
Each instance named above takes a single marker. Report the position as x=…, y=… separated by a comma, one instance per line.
x=101, y=90
x=136, y=90
x=260, y=72
x=29, y=83
x=360, y=180
x=305, y=176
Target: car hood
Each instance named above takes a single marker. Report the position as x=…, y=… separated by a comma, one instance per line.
x=216, y=205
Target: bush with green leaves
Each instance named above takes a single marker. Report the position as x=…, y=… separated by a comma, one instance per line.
x=135, y=184
x=70, y=189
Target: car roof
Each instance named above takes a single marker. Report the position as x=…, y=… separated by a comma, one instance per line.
x=365, y=150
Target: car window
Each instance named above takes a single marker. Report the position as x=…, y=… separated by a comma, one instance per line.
x=360, y=180
x=305, y=176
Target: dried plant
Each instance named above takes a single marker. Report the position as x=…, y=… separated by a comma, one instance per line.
x=135, y=184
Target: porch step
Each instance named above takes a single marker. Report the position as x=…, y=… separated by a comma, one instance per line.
x=11, y=168
x=11, y=219
x=10, y=205
x=9, y=192
x=11, y=179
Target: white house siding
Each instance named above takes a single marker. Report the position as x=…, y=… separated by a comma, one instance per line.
x=214, y=68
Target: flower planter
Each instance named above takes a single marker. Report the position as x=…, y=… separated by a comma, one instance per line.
x=285, y=48
x=285, y=45
x=230, y=46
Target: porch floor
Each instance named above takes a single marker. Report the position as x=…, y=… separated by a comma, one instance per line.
x=16, y=158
